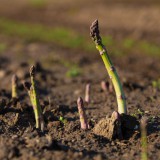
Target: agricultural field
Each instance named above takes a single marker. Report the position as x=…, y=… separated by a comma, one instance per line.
x=48, y=60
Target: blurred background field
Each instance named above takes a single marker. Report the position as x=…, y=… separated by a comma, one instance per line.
x=128, y=27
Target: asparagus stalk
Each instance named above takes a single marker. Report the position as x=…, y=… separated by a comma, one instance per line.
x=87, y=93
x=82, y=115
x=32, y=92
x=121, y=100
x=144, y=138
x=14, y=86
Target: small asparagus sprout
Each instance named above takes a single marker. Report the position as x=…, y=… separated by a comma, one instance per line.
x=14, y=86
x=115, y=115
x=82, y=115
x=106, y=86
x=144, y=138
x=32, y=92
x=87, y=93
x=121, y=100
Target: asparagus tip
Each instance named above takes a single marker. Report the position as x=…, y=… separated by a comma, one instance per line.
x=32, y=70
x=94, y=32
x=80, y=101
x=87, y=93
x=115, y=115
x=14, y=78
x=143, y=122
x=82, y=115
x=105, y=85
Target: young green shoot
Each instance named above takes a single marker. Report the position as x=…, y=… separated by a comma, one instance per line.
x=73, y=72
x=82, y=114
x=63, y=120
x=87, y=93
x=14, y=86
x=156, y=84
x=32, y=92
x=121, y=99
x=143, y=125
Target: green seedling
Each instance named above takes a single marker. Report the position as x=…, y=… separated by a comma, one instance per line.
x=63, y=120
x=82, y=114
x=156, y=84
x=73, y=72
x=138, y=113
x=33, y=94
x=143, y=139
x=14, y=86
x=121, y=100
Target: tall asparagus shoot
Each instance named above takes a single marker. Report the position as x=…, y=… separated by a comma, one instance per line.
x=14, y=86
x=32, y=91
x=121, y=100
x=143, y=138
x=82, y=115
x=87, y=93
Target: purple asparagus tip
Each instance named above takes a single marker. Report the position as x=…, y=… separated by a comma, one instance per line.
x=14, y=79
x=105, y=85
x=32, y=71
x=115, y=115
x=82, y=115
x=87, y=93
x=94, y=32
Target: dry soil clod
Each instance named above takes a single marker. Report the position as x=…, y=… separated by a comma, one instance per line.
x=109, y=128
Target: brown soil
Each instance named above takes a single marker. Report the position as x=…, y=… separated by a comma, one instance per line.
x=58, y=93
x=20, y=139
